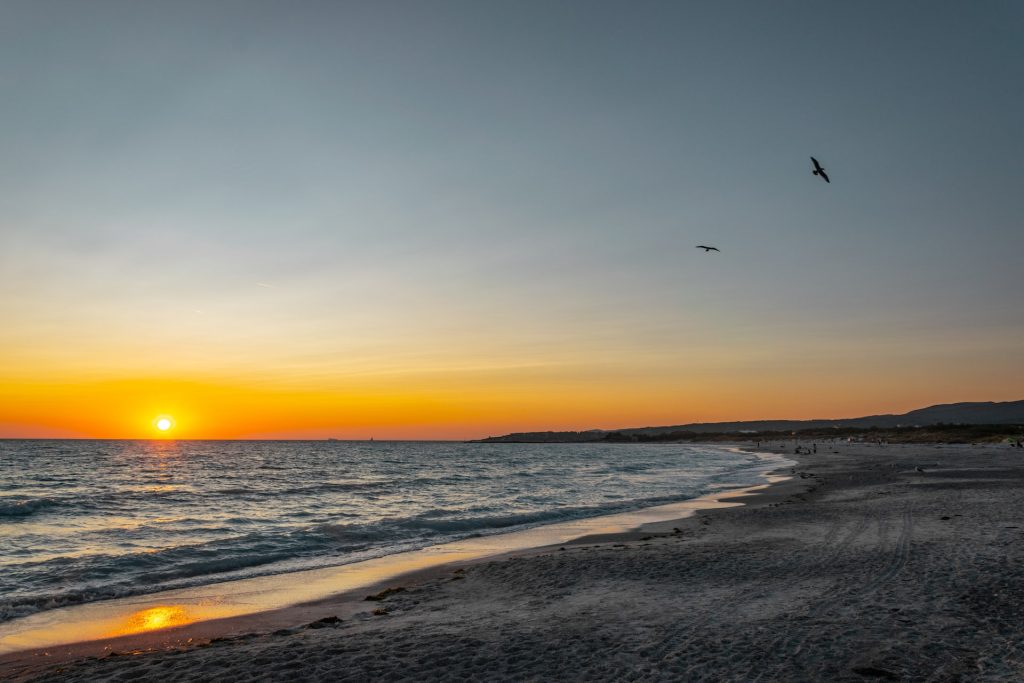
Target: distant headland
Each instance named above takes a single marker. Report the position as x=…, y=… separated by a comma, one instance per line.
x=949, y=422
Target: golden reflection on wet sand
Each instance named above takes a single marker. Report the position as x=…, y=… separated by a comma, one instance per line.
x=110, y=619
x=151, y=619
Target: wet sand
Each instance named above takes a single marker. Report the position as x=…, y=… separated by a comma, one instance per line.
x=860, y=567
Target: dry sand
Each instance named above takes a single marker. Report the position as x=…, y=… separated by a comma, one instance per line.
x=861, y=567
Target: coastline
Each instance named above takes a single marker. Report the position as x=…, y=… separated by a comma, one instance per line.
x=872, y=563
x=272, y=602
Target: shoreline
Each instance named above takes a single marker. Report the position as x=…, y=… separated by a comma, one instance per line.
x=332, y=588
x=873, y=562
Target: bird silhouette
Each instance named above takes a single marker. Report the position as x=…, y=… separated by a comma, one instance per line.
x=707, y=249
x=819, y=170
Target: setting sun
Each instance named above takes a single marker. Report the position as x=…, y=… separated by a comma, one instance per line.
x=164, y=423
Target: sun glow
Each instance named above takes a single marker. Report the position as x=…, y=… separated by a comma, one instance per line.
x=164, y=423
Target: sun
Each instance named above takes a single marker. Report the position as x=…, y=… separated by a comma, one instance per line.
x=164, y=423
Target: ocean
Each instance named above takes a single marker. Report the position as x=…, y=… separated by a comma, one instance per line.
x=82, y=521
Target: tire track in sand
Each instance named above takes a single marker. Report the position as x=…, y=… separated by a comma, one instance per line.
x=809, y=561
x=788, y=645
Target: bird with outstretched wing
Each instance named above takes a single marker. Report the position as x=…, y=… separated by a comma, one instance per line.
x=707, y=249
x=820, y=170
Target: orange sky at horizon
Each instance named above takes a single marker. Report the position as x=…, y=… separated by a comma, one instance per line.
x=270, y=374
x=205, y=410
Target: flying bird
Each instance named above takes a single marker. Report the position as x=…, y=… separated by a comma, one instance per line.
x=707, y=249
x=818, y=170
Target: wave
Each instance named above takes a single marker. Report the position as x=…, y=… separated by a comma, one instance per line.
x=127, y=498
x=435, y=520
x=337, y=486
x=13, y=607
x=323, y=487
x=16, y=509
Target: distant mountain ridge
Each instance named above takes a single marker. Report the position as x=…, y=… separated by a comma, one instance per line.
x=970, y=413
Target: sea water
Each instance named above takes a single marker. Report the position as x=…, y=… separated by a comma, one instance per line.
x=88, y=520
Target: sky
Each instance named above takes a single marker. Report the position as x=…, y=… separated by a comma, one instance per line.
x=456, y=219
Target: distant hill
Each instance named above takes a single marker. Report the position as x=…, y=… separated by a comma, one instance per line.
x=982, y=413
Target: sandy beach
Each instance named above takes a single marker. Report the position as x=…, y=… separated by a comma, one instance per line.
x=870, y=563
